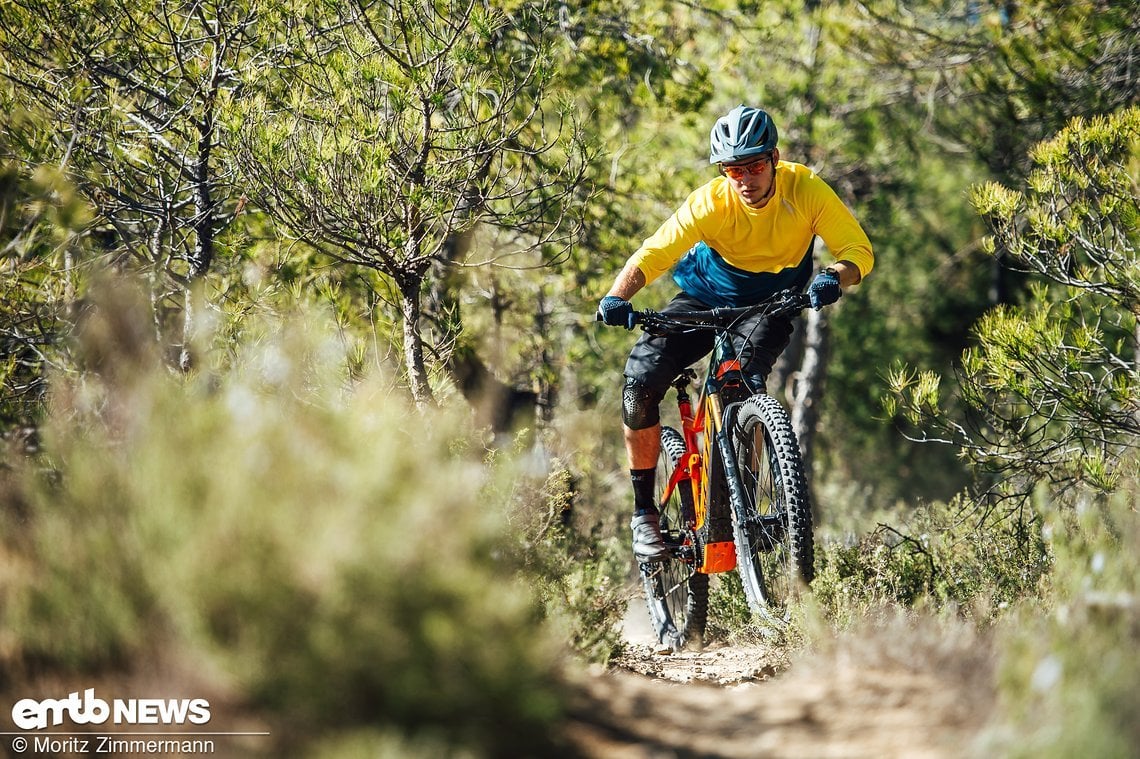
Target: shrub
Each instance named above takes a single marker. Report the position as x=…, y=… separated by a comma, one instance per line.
x=955, y=554
x=324, y=551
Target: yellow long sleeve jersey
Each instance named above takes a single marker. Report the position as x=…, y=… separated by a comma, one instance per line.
x=727, y=254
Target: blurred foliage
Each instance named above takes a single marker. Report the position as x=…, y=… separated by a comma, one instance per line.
x=578, y=573
x=127, y=99
x=994, y=78
x=940, y=555
x=329, y=551
x=968, y=88
x=1046, y=547
x=1069, y=669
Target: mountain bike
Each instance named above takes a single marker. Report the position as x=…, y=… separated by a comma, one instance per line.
x=734, y=493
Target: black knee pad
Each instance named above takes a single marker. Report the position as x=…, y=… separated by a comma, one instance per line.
x=640, y=406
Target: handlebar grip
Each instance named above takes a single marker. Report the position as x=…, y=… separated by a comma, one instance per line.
x=636, y=317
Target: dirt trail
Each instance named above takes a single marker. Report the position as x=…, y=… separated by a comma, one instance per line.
x=887, y=698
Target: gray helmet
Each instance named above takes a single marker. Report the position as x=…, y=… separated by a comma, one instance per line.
x=744, y=132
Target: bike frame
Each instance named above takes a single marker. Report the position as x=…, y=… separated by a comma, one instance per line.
x=702, y=427
x=700, y=430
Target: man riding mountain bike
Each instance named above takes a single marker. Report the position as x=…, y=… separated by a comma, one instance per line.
x=735, y=241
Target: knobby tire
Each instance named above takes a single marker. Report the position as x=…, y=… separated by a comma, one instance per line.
x=771, y=508
x=676, y=594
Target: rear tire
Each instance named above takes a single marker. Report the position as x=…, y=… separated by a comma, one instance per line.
x=771, y=509
x=676, y=594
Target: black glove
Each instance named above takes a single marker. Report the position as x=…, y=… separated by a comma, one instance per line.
x=824, y=289
x=616, y=312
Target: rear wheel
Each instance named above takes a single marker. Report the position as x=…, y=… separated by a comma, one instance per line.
x=771, y=509
x=676, y=594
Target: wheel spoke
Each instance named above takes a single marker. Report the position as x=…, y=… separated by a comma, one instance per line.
x=678, y=585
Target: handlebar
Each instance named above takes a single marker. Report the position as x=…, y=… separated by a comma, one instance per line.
x=780, y=304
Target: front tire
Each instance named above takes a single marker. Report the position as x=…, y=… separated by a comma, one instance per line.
x=676, y=594
x=771, y=509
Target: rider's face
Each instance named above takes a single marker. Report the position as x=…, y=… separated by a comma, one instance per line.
x=753, y=179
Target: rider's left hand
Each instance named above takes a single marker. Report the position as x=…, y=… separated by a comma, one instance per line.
x=617, y=312
x=824, y=289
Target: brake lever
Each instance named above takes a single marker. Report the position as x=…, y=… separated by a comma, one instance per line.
x=649, y=324
x=792, y=302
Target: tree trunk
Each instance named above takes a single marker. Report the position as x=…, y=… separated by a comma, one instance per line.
x=545, y=390
x=202, y=256
x=185, y=355
x=203, y=253
x=807, y=380
x=807, y=387
x=787, y=364
x=501, y=406
x=414, y=344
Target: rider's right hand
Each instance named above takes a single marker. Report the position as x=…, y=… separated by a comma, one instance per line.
x=617, y=312
x=824, y=289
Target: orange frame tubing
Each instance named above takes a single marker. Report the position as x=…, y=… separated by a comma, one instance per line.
x=689, y=468
x=718, y=557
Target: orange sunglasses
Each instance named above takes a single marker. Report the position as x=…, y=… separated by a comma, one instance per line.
x=740, y=171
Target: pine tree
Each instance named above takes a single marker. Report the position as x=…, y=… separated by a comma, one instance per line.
x=1053, y=386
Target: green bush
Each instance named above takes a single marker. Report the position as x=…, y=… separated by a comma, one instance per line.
x=573, y=524
x=1057, y=593
x=573, y=562
x=957, y=554
x=324, y=551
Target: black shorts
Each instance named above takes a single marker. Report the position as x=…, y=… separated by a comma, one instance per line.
x=656, y=361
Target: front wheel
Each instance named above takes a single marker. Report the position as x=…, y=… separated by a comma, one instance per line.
x=676, y=594
x=771, y=509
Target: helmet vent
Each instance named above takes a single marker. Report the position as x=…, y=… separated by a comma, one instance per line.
x=742, y=132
